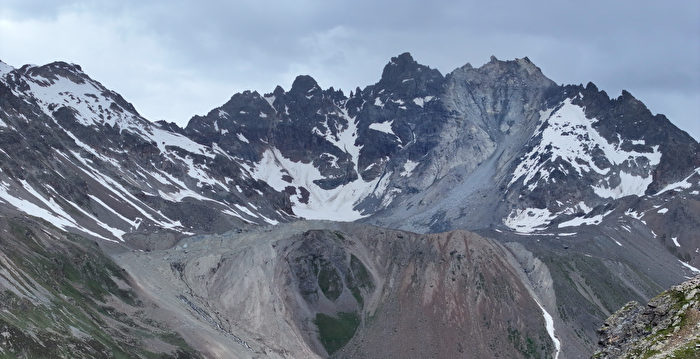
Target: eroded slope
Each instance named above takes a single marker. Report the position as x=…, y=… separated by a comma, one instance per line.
x=317, y=288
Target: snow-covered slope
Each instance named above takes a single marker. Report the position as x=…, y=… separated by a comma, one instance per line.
x=490, y=146
x=80, y=156
x=568, y=148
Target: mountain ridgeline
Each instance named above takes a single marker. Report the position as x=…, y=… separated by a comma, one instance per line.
x=576, y=203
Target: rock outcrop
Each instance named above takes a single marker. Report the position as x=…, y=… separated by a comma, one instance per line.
x=667, y=327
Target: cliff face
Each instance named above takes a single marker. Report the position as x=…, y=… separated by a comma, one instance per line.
x=667, y=327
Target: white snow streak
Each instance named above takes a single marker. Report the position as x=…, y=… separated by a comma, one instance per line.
x=549, y=324
x=684, y=184
x=675, y=241
x=693, y=269
x=590, y=221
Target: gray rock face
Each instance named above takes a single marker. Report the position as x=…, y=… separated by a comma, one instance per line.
x=667, y=327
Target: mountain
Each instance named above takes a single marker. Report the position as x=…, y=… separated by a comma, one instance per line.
x=309, y=289
x=79, y=155
x=580, y=202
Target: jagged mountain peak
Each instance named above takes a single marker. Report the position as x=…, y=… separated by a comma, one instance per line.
x=64, y=65
x=64, y=87
x=304, y=84
x=57, y=69
x=624, y=114
x=401, y=63
x=278, y=91
x=403, y=70
x=506, y=72
x=590, y=86
x=627, y=97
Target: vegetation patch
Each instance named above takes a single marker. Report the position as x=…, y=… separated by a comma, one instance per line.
x=526, y=345
x=78, y=281
x=335, y=332
x=689, y=352
x=358, y=278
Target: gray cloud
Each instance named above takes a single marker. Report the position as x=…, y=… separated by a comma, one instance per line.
x=177, y=58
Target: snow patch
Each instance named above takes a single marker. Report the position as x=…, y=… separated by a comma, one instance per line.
x=383, y=127
x=529, y=220
x=270, y=100
x=85, y=97
x=408, y=168
x=616, y=242
x=693, y=269
x=165, y=139
x=629, y=185
x=334, y=204
x=634, y=214
x=420, y=101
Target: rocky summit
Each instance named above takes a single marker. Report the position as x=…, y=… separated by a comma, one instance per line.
x=486, y=212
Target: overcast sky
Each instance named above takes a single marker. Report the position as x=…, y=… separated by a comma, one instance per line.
x=173, y=59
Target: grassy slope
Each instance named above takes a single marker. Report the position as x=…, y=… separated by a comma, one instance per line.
x=74, y=302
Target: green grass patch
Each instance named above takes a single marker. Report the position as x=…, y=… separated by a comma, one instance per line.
x=76, y=277
x=335, y=332
x=358, y=278
x=688, y=352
